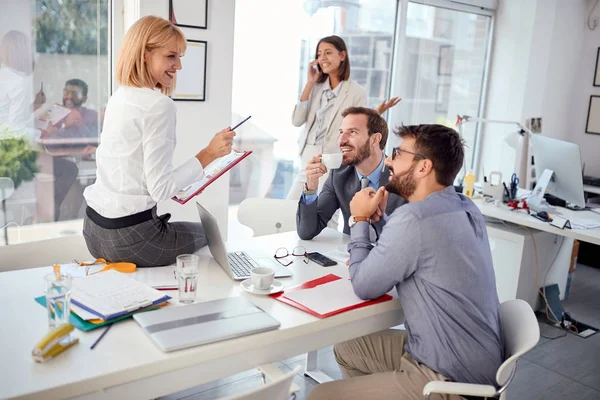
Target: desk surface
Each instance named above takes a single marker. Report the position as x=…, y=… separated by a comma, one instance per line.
x=521, y=218
x=126, y=363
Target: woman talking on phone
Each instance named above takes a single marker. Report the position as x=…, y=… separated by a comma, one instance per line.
x=135, y=157
x=328, y=91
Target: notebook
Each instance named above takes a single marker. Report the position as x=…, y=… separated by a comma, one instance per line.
x=325, y=296
x=211, y=173
x=112, y=294
x=176, y=328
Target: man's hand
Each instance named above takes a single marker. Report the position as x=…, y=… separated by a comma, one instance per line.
x=378, y=214
x=314, y=170
x=366, y=202
x=49, y=131
x=387, y=104
x=74, y=119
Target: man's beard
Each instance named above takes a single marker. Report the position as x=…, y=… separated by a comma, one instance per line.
x=362, y=154
x=404, y=185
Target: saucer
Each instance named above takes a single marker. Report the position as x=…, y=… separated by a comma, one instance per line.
x=276, y=287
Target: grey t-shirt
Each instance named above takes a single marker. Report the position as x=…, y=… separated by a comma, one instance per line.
x=437, y=255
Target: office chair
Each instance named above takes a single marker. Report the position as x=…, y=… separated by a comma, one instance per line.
x=521, y=334
x=268, y=216
x=277, y=389
x=61, y=250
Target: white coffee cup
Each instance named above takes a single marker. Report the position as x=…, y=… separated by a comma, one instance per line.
x=332, y=160
x=262, y=278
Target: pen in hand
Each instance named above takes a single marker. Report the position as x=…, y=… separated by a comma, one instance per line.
x=101, y=336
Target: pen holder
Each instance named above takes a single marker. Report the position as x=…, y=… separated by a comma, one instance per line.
x=494, y=190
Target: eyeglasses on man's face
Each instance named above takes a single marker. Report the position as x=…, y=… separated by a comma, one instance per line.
x=282, y=252
x=399, y=151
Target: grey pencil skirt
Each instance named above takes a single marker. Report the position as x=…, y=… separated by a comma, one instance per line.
x=145, y=239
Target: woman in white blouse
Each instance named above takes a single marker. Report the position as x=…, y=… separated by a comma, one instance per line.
x=135, y=158
x=328, y=91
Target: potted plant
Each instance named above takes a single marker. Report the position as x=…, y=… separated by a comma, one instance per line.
x=17, y=162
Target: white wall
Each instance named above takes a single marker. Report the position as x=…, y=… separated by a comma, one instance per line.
x=197, y=122
x=542, y=65
x=585, y=63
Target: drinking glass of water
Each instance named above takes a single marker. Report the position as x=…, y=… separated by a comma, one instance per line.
x=58, y=296
x=187, y=276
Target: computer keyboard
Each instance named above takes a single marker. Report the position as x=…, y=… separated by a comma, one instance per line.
x=241, y=263
x=590, y=180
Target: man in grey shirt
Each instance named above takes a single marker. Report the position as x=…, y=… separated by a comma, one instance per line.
x=435, y=252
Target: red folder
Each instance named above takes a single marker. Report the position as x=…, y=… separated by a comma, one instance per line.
x=317, y=282
x=213, y=178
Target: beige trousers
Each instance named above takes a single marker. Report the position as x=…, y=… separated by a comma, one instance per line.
x=377, y=367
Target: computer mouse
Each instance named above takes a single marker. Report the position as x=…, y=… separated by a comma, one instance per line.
x=543, y=214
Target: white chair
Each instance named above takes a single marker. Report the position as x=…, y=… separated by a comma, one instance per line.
x=268, y=216
x=276, y=389
x=521, y=334
x=61, y=250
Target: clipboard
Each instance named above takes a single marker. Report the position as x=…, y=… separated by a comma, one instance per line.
x=317, y=282
x=212, y=172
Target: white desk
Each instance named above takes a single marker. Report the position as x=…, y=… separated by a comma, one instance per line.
x=513, y=252
x=522, y=218
x=127, y=364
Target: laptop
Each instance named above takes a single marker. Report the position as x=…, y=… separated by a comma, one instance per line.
x=175, y=328
x=237, y=264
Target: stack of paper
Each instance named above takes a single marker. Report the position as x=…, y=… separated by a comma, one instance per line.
x=585, y=224
x=328, y=297
x=111, y=294
x=50, y=114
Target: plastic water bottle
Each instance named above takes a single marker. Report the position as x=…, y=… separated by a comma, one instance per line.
x=469, y=183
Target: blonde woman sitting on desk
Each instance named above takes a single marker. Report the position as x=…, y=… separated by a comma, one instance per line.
x=135, y=156
x=328, y=91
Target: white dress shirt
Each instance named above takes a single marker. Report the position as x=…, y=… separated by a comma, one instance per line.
x=16, y=99
x=135, y=157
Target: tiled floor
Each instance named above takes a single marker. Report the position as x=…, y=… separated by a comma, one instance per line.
x=564, y=368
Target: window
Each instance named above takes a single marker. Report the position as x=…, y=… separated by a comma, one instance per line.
x=66, y=43
x=440, y=69
x=271, y=58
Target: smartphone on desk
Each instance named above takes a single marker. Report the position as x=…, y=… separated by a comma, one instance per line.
x=321, y=259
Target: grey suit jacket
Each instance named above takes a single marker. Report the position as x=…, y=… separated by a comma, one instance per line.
x=340, y=187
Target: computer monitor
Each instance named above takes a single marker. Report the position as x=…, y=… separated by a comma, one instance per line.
x=564, y=159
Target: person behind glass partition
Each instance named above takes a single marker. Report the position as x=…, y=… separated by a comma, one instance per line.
x=16, y=85
x=81, y=122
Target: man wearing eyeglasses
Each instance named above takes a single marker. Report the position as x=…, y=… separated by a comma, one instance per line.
x=362, y=138
x=435, y=252
x=81, y=122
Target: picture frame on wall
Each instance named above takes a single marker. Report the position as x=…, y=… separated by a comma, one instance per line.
x=593, y=117
x=189, y=13
x=442, y=98
x=191, y=79
x=445, y=60
x=597, y=70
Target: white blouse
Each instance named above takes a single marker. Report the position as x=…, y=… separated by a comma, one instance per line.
x=135, y=157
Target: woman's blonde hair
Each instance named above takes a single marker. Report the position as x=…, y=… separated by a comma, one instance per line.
x=16, y=53
x=147, y=34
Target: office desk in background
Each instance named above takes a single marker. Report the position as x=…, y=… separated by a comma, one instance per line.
x=513, y=250
x=127, y=364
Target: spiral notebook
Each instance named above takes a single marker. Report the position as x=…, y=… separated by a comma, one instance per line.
x=112, y=294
